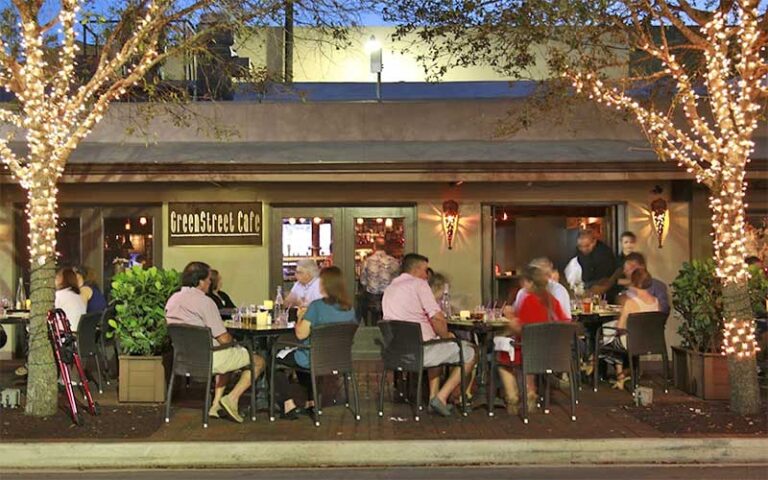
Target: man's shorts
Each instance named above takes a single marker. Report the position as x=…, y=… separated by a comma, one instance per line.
x=230, y=359
x=441, y=353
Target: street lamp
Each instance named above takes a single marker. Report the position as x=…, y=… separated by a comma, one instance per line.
x=373, y=47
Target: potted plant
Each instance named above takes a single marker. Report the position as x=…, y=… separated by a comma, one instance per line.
x=699, y=367
x=140, y=330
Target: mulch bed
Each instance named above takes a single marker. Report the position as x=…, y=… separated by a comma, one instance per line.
x=696, y=418
x=113, y=422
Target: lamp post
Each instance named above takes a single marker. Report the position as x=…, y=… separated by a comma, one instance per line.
x=373, y=47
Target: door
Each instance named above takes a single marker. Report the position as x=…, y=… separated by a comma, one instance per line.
x=335, y=235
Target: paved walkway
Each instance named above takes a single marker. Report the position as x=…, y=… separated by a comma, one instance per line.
x=605, y=414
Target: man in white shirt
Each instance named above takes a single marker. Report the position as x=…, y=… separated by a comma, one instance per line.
x=553, y=286
x=408, y=298
x=307, y=287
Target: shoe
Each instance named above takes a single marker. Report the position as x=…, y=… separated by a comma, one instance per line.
x=213, y=412
x=21, y=371
x=439, y=407
x=293, y=414
x=231, y=408
x=587, y=367
x=513, y=405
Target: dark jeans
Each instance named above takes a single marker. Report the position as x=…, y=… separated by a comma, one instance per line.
x=373, y=310
x=286, y=390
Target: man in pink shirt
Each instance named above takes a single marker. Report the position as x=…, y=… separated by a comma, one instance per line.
x=191, y=306
x=408, y=298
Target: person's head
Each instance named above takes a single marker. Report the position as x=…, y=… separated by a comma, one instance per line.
x=586, y=241
x=306, y=271
x=632, y=262
x=437, y=284
x=216, y=281
x=537, y=279
x=83, y=275
x=67, y=278
x=197, y=275
x=379, y=244
x=640, y=279
x=333, y=288
x=416, y=265
x=628, y=242
x=545, y=264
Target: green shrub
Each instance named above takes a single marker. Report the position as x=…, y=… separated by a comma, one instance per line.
x=697, y=296
x=140, y=295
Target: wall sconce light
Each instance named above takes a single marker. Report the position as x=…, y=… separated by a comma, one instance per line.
x=450, y=220
x=660, y=216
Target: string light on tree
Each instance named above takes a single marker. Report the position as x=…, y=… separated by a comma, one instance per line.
x=717, y=150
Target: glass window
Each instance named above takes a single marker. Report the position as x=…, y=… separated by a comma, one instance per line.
x=369, y=229
x=305, y=238
x=127, y=242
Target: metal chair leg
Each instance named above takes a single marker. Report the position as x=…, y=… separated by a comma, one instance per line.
x=574, y=398
x=272, y=389
x=525, y=397
x=546, y=392
x=491, y=385
x=207, y=401
x=356, y=393
x=168, y=398
x=346, y=389
x=382, y=382
x=316, y=396
x=418, y=395
x=595, y=361
x=253, y=390
x=100, y=378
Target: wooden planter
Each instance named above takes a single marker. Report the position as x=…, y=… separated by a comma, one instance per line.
x=142, y=379
x=702, y=374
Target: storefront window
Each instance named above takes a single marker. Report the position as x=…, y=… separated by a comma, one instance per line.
x=68, y=248
x=127, y=242
x=305, y=238
x=368, y=230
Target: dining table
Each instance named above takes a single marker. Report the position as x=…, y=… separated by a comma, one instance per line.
x=484, y=331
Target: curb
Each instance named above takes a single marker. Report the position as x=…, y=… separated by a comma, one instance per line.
x=137, y=455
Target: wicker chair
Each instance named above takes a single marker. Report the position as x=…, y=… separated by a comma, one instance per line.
x=548, y=348
x=330, y=353
x=403, y=351
x=193, y=360
x=645, y=336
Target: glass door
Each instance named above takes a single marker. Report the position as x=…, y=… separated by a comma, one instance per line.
x=301, y=233
x=392, y=228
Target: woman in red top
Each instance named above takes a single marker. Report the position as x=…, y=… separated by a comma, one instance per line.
x=538, y=306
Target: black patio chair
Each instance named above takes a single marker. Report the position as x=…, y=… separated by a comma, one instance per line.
x=645, y=336
x=87, y=343
x=548, y=349
x=106, y=341
x=403, y=351
x=576, y=352
x=193, y=359
x=330, y=353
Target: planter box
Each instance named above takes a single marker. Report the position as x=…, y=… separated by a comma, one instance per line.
x=142, y=379
x=702, y=374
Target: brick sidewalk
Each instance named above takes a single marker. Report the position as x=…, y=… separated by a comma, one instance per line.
x=605, y=414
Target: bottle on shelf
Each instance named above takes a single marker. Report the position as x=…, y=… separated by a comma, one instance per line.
x=445, y=302
x=278, y=307
x=21, y=295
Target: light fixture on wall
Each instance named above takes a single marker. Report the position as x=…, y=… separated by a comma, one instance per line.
x=128, y=225
x=450, y=220
x=659, y=215
x=142, y=221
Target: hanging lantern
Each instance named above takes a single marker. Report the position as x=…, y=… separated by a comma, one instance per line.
x=450, y=220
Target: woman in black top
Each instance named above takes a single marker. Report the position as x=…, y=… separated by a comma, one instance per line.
x=221, y=298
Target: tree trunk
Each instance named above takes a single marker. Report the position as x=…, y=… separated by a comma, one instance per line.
x=42, y=387
x=745, y=392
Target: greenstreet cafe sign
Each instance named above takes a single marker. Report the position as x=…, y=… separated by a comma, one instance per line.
x=214, y=223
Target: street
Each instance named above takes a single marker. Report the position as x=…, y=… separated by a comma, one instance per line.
x=575, y=472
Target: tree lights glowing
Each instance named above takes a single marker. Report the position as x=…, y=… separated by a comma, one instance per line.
x=715, y=150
